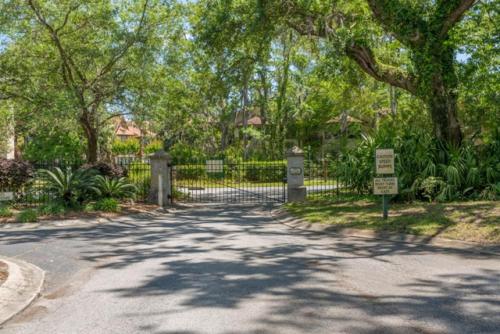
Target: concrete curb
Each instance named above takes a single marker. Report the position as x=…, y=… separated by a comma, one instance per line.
x=285, y=218
x=22, y=286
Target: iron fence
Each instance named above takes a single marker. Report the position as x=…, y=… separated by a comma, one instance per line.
x=322, y=179
x=34, y=192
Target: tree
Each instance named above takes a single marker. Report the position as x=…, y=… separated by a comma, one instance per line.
x=422, y=28
x=91, y=44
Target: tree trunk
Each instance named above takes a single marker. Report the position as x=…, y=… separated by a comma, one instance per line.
x=439, y=89
x=443, y=109
x=92, y=136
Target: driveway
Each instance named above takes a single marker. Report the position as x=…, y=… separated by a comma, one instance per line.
x=231, y=269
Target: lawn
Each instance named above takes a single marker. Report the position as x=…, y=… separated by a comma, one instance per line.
x=468, y=221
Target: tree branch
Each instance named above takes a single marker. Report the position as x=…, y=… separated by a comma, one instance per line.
x=449, y=12
x=106, y=68
x=67, y=62
x=364, y=57
x=399, y=19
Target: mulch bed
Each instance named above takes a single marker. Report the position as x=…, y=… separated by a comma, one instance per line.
x=3, y=272
x=126, y=209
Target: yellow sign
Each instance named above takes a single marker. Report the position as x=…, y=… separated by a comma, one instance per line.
x=384, y=160
x=385, y=185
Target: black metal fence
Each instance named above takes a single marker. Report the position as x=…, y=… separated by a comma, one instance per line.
x=218, y=181
x=35, y=193
x=322, y=179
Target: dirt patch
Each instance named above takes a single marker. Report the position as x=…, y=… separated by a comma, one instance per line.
x=3, y=272
x=125, y=210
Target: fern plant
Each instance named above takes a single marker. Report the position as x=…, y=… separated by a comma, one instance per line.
x=69, y=187
x=114, y=187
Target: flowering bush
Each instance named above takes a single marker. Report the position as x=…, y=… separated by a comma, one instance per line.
x=14, y=173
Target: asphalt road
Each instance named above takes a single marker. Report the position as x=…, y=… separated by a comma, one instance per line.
x=231, y=269
x=254, y=194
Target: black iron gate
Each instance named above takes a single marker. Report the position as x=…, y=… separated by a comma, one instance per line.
x=218, y=181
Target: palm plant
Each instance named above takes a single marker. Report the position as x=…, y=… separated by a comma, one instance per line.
x=114, y=187
x=69, y=187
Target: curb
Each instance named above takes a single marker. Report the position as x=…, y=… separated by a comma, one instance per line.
x=283, y=217
x=22, y=286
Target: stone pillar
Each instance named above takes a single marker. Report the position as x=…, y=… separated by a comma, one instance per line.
x=160, y=192
x=295, y=175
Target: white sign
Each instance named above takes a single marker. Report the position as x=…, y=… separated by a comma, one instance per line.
x=215, y=166
x=384, y=160
x=6, y=196
x=385, y=185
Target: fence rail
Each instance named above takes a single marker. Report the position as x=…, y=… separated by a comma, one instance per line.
x=34, y=192
x=216, y=181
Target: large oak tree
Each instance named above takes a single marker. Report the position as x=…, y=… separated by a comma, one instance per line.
x=421, y=27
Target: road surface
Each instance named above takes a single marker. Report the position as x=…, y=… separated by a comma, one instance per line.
x=231, y=269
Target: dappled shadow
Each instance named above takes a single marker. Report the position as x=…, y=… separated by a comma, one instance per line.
x=225, y=258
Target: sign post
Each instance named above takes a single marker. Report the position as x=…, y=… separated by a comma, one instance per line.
x=384, y=162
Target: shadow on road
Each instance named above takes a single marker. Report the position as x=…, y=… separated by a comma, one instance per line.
x=222, y=258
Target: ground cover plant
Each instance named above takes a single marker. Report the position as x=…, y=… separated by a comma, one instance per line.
x=476, y=221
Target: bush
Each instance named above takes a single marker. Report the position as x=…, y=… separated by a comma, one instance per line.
x=107, y=205
x=14, y=173
x=27, y=216
x=426, y=168
x=190, y=172
x=106, y=169
x=114, y=188
x=5, y=212
x=52, y=209
x=154, y=146
x=129, y=146
x=265, y=171
x=70, y=188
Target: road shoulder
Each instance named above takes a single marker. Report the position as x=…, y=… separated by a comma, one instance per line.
x=281, y=215
x=22, y=286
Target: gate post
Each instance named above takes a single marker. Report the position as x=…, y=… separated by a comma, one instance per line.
x=161, y=184
x=295, y=175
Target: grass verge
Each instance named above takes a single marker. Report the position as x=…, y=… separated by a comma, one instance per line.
x=467, y=221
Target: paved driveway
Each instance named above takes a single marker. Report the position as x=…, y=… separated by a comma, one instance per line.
x=233, y=270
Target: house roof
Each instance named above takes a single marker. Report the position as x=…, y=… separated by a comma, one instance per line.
x=126, y=128
x=254, y=121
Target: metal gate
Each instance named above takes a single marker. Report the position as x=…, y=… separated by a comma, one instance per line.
x=218, y=181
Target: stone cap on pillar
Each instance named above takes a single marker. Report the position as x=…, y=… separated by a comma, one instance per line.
x=160, y=155
x=295, y=152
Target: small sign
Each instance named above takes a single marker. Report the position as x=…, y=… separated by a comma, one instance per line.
x=295, y=171
x=385, y=185
x=215, y=166
x=384, y=160
x=6, y=196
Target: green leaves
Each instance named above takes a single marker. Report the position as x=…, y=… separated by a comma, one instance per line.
x=114, y=187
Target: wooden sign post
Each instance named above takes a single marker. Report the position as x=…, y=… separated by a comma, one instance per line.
x=384, y=162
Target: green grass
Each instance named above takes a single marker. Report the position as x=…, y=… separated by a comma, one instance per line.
x=467, y=221
x=27, y=216
x=5, y=212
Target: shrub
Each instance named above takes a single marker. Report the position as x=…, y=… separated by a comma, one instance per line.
x=426, y=168
x=14, y=173
x=107, y=205
x=190, y=172
x=114, y=188
x=27, y=216
x=154, y=146
x=52, y=209
x=265, y=171
x=70, y=188
x=106, y=169
x=129, y=146
x=5, y=212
